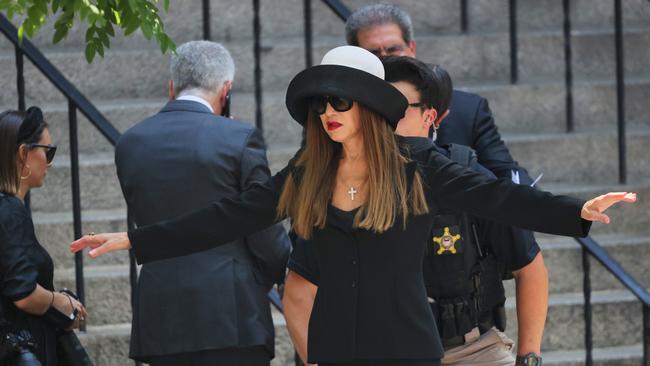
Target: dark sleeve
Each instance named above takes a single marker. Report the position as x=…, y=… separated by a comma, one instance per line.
x=451, y=186
x=216, y=224
x=271, y=246
x=19, y=273
x=512, y=246
x=490, y=148
x=303, y=261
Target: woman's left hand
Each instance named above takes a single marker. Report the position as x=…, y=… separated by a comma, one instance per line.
x=594, y=208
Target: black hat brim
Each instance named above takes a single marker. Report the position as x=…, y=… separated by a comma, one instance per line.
x=342, y=81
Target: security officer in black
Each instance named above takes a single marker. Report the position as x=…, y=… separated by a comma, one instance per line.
x=467, y=258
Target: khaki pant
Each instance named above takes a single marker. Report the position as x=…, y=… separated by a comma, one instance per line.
x=492, y=348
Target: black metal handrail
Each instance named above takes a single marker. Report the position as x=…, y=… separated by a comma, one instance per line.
x=591, y=247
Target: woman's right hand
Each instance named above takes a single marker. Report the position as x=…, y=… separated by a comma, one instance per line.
x=102, y=243
x=66, y=305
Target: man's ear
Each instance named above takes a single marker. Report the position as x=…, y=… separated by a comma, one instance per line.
x=170, y=91
x=430, y=116
x=227, y=86
x=441, y=117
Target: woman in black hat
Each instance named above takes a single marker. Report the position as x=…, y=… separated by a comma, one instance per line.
x=367, y=208
x=30, y=309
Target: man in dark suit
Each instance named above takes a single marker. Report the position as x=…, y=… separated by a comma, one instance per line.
x=387, y=30
x=208, y=308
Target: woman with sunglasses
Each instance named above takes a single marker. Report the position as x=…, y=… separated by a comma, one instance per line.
x=368, y=209
x=28, y=300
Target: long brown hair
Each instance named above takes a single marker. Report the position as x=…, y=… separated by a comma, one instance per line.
x=305, y=198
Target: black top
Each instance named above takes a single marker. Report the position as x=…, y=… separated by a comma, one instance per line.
x=371, y=302
x=514, y=248
x=23, y=264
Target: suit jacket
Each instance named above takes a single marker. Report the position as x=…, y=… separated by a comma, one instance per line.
x=355, y=314
x=470, y=123
x=172, y=163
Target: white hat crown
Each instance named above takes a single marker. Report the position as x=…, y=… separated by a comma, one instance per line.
x=356, y=58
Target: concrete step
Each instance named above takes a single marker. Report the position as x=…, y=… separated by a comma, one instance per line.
x=232, y=21
x=523, y=108
x=469, y=58
x=55, y=232
x=604, y=356
x=630, y=219
x=581, y=157
x=108, y=345
x=563, y=258
x=100, y=188
x=616, y=320
x=107, y=289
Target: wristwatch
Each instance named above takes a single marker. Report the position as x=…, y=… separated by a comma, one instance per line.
x=529, y=359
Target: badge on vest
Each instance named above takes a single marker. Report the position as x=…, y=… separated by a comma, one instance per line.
x=447, y=240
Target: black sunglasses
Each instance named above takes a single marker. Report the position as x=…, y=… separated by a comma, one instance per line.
x=319, y=104
x=50, y=151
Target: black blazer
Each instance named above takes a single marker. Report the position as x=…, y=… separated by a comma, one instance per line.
x=470, y=123
x=355, y=314
x=170, y=164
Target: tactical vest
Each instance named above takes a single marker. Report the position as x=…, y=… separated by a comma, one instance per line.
x=463, y=279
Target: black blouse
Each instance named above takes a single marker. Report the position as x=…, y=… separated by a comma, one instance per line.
x=356, y=315
x=23, y=264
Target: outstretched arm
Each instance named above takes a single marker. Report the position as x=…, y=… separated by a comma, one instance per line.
x=217, y=224
x=453, y=186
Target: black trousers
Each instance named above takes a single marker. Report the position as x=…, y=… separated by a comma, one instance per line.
x=247, y=356
x=385, y=363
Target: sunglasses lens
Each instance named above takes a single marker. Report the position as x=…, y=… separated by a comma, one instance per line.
x=318, y=104
x=341, y=104
x=49, y=155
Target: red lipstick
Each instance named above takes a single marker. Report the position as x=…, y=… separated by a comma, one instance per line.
x=333, y=125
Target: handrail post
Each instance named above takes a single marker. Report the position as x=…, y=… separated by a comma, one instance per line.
x=257, y=29
x=514, y=68
x=646, y=334
x=463, y=16
x=206, y=20
x=308, y=33
x=620, y=92
x=133, y=269
x=586, y=287
x=76, y=200
x=568, y=68
x=20, y=88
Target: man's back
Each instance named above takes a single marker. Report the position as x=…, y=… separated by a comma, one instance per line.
x=169, y=164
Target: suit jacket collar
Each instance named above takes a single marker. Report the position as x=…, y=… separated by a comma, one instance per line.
x=186, y=106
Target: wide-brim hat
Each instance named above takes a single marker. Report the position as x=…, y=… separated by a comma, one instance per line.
x=350, y=72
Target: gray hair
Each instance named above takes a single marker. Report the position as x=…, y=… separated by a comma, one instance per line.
x=202, y=66
x=377, y=14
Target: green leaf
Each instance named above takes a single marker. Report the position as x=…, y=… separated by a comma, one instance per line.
x=146, y=29
x=109, y=29
x=90, y=52
x=59, y=34
x=104, y=39
x=42, y=6
x=56, y=4
x=90, y=33
x=21, y=33
x=166, y=6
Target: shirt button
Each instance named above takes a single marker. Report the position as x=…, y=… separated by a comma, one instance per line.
x=354, y=261
x=354, y=283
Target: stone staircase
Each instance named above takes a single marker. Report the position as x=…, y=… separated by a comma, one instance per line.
x=130, y=83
